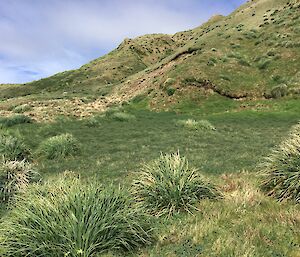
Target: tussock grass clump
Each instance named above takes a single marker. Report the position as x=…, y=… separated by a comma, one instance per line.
x=118, y=114
x=168, y=185
x=92, y=122
x=244, y=62
x=170, y=91
x=169, y=82
x=14, y=120
x=263, y=64
x=279, y=91
x=22, y=108
x=122, y=116
x=59, y=147
x=69, y=218
x=225, y=77
x=14, y=178
x=282, y=169
x=195, y=125
x=12, y=148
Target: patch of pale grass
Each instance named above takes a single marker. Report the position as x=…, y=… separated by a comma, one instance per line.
x=15, y=177
x=195, y=125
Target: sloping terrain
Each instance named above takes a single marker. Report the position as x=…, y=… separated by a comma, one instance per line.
x=252, y=53
x=229, y=91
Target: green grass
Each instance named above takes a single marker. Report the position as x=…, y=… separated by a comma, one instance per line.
x=281, y=169
x=246, y=132
x=15, y=177
x=12, y=148
x=245, y=222
x=169, y=185
x=112, y=151
x=22, y=108
x=14, y=120
x=70, y=218
x=196, y=125
x=59, y=147
x=121, y=116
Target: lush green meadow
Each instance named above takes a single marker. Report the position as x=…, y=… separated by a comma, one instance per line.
x=114, y=147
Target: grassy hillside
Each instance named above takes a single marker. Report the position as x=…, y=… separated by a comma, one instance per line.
x=98, y=76
x=239, y=55
x=74, y=146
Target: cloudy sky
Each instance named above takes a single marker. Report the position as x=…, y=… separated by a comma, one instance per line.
x=43, y=37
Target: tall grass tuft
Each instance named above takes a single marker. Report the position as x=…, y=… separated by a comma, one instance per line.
x=22, y=108
x=14, y=120
x=168, y=185
x=282, y=169
x=118, y=114
x=73, y=219
x=12, y=148
x=59, y=147
x=14, y=178
x=279, y=91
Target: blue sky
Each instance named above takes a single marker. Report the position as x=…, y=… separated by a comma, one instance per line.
x=43, y=37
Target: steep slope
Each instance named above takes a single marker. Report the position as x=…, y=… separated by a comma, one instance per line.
x=254, y=52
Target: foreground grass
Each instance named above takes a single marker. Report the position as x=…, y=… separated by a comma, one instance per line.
x=71, y=218
x=245, y=223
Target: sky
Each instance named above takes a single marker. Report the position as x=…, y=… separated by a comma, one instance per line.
x=42, y=37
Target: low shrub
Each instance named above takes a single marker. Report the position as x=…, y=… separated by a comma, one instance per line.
x=168, y=185
x=14, y=120
x=195, y=125
x=70, y=218
x=281, y=170
x=14, y=178
x=278, y=79
x=59, y=147
x=12, y=148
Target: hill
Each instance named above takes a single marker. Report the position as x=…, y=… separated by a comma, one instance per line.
x=241, y=55
x=78, y=149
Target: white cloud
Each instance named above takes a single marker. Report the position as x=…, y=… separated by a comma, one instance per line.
x=48, y=36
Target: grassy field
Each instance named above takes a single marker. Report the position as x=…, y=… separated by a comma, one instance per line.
x=113, y=148
x=223, y=95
